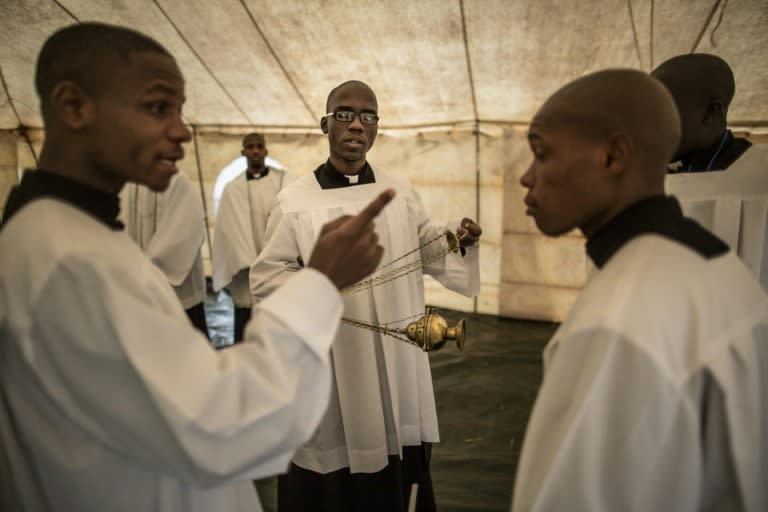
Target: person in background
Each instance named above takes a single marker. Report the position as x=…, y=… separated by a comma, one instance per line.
x=240, y=224
x=730, y=203
x=374, y=442
x=169, y=226
x=702, y=86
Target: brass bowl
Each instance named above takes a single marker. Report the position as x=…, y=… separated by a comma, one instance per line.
x=431, y=331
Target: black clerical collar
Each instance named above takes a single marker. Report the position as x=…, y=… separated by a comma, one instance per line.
x=658, y=215
x=39, y=184
x=716, y=157
x=249, y=176
x=328, y=177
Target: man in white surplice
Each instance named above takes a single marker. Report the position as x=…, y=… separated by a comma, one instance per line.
x=654, y=391
x=109, y=398
x=382, y=408
x=240, y=224
x=169, y=227
x=732, y=203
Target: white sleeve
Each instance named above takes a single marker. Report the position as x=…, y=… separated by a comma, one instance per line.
x=130, y=370
x=180, y=233
x=278, y=261
x=609, y=431
x=457, y=272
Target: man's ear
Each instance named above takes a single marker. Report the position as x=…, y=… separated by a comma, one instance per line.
x=72, y=105
x=324, y=125
x=618, y=152
x=242, y=152
x=714, y=112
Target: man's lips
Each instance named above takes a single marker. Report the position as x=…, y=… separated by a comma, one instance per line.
x=531, y=206
x=354, y=141
x=169, y=160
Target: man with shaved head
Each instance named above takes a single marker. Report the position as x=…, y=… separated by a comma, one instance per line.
x=731, y=203
x=702, y=86
x=374, y=441
x=654, y=389
x=110, y=400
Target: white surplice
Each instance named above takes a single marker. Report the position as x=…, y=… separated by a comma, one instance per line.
x=733, y=204
x=383, y=397
x=654, y=393
x=239, y=235
x=169, y=227
x=112, y=401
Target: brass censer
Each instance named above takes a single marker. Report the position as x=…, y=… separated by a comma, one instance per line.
x=430, y=332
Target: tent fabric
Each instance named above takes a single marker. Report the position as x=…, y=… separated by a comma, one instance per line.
x=431, y=62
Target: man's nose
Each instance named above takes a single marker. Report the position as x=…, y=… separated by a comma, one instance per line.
x=526, y=180
x=356, y=124
x=180, y=131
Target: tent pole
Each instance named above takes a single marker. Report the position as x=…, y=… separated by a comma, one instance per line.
x=202, y=190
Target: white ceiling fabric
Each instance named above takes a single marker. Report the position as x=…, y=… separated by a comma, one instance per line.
x=271, y=63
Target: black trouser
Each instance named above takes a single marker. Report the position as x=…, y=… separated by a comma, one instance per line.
x=242, y=316
x=387, y=490
x=196, y=315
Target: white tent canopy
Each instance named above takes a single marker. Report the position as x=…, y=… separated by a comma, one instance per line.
x=271, y=63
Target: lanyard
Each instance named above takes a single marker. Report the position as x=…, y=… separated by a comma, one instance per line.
x=719, y=148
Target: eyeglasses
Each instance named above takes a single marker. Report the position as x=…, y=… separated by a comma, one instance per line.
x=347, y=116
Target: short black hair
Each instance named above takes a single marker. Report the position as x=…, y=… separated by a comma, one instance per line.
x=84, y=53
x=341, y=85
x=254, y=134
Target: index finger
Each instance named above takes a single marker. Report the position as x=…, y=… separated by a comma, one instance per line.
x=372, y=210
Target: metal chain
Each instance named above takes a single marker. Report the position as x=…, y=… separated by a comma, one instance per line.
x=420, y=247
x=395, y=333
x=401, y=271
x=401, y=320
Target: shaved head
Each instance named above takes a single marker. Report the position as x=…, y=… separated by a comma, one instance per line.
x=85, y=54
x=600, y=144
x=253, y=135
x=700, y=75
x=618, y=101
x=703, y=87
x=348, y=83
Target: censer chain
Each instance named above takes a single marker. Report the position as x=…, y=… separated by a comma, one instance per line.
x=401, y=271
x=395, y=333
x=420, y=247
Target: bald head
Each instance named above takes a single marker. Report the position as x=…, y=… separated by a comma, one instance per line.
x=86, y=54
x=619, y=101
x=344, y=85
x=697, y=74
x=703, y=87
x=600, y=144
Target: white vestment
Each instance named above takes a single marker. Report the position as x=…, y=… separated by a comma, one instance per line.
x=654, y=393
x=733, y=204
x=169, y=227
x=238, y=236
x=112, y=401
x=383, y=397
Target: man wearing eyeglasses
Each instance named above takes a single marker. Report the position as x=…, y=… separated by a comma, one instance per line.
x=374, y=441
